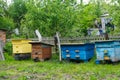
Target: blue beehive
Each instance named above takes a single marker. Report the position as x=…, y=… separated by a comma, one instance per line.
x=77, y=51
x=107, y=51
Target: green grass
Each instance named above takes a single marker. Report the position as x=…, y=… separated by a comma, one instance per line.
x=55, y=70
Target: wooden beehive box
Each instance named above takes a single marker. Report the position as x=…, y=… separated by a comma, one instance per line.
x=77, y=51
x=41, y=51
x=3, y=35
x=21, y=46
x=108, y=50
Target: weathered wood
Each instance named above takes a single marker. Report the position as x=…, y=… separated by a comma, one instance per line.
x=1, y=50
x=80, y=39
x=57, y=35
x=50, y=40
x=3, y=35
x=41, y=51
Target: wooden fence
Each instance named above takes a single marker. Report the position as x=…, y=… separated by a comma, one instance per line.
x=82, y=39
x=79, y=39
x=50, y=40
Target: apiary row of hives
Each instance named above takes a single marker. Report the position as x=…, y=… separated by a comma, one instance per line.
x=105, y=50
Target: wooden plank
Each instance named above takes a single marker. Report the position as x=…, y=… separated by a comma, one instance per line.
x=50, y=40
x=1, y=50
x=60, y=58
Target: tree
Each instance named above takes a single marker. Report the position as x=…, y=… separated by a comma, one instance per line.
x=17, y=10
x=5, y=21
x=50, y=18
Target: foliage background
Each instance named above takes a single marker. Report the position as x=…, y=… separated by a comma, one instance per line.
x=50, y=16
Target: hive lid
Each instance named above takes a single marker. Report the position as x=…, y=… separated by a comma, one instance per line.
x=20, y=39
x=105, y=41
x=38, y=42
x=14, y=41
x=74, y=43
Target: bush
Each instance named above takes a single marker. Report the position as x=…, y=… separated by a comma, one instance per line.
x=8, y=48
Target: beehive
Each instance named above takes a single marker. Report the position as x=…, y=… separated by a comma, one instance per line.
x=21, y=46
x=3, y=35
x=41, y=51
x=108, y=50
x=77, y=51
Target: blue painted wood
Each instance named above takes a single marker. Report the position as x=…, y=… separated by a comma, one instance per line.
x=77, y=51
x=110, y=49
x=97, y=62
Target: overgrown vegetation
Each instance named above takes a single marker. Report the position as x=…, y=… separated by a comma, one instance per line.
x=50, y=16
x=55, y=70
x=8, y=48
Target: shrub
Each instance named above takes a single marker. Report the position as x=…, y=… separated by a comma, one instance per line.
x=8, y=48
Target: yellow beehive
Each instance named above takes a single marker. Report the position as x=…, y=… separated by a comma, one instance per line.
x=21, y=46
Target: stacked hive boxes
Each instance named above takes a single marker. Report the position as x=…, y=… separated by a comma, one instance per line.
x=21, y=49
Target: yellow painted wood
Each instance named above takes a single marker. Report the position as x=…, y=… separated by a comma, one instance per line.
x=21, y=46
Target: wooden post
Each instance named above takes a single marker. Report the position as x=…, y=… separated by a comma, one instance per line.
x=103, y=24
x=1, y=50
x=103, y=21
x=57, y=35
x=106, y=36
x=38, y=35
x=55, y=43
